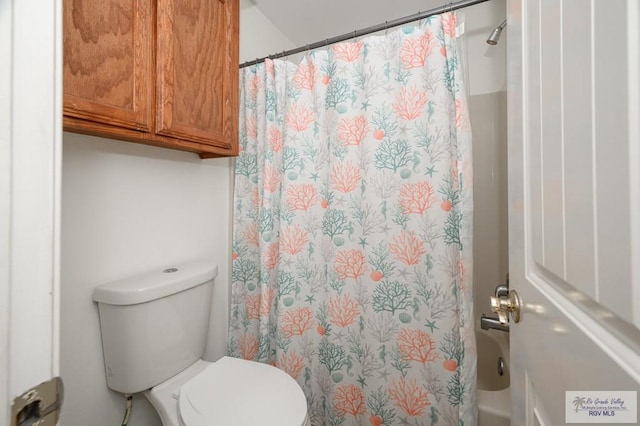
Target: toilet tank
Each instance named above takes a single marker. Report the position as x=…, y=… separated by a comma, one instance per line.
x=154, y=325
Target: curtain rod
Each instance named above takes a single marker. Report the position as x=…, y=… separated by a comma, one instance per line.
x=373, y=29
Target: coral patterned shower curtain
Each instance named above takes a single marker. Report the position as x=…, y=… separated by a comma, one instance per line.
x=352, y=228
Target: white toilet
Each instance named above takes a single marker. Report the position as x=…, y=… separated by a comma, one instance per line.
x=154, y=330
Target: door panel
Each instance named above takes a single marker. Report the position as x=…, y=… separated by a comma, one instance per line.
x=578, y=161
x=571, y=94
x=579, y=189
x=554, y=355
x=550, y=136
x=612, y=141
x=536, y=414
x=30, y=154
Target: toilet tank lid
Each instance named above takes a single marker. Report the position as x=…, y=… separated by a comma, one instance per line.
x=155, y=284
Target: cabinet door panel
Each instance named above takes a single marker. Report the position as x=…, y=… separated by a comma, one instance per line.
x=108, y=62
x=197, y=71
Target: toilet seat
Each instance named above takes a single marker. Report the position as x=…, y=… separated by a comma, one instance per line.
x=236, y=392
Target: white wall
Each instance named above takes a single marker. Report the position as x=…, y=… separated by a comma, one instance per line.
x=258, y=36
x=128, y=208
x=487, y=67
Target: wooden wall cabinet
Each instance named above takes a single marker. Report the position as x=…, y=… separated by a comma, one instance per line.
x=158, y=72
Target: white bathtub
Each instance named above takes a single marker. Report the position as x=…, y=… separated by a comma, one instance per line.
x=494, y=400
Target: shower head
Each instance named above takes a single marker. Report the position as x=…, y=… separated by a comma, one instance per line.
x=495, y=34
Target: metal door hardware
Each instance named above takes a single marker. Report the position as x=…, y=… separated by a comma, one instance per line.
x=500, y=366
x=505, y=305
x=39, y=406
x=491, y=323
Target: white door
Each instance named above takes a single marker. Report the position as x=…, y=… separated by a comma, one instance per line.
x=30, y=150
x=574, y=203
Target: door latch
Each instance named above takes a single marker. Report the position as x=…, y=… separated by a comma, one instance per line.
x=40, y=405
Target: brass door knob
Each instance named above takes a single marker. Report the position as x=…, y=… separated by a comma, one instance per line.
x=505, y=305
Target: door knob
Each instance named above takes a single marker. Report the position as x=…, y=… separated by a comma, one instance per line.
x=505, y=305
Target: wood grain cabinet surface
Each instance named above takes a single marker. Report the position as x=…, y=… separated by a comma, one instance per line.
x=159, y=72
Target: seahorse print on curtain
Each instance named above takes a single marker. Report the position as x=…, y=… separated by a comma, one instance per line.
x=352, y=228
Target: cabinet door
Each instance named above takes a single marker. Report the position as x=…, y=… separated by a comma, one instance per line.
x=197, y=71
x=107, y=62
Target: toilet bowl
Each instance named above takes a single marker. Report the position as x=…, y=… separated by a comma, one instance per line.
x=230, y=391
x=154, y=330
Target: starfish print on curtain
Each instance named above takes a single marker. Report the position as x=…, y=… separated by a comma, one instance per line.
x=352, y=228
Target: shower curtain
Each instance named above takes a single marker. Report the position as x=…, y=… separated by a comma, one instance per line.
x=352, y=228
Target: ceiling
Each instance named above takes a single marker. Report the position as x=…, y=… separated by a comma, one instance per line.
x=308, y=21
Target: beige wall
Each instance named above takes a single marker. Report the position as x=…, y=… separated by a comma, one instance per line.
x=488, y=114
